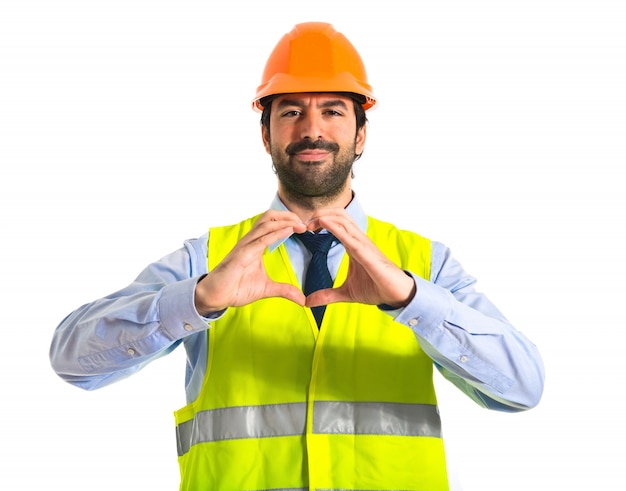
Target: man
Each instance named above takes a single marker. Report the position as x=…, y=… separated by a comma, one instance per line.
x=292, y=385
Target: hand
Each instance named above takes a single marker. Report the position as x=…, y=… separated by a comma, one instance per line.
x=240, y=278
x=372, y=278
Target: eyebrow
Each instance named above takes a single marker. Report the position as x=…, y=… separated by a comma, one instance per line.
x=300, y=103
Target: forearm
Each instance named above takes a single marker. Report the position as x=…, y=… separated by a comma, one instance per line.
x=113, y=337
x=472, y=343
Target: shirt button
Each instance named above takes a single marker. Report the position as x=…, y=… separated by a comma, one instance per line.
x=188, y=327
x=413, y=322
x=130, y=351
x=464, y=358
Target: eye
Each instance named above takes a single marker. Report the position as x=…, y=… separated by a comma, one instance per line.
x=332, y=112
x=290, y=114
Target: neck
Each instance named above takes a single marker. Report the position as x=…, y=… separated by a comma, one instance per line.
x=306, y=206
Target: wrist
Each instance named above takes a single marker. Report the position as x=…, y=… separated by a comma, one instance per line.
x=411, y=288
x=203, y=308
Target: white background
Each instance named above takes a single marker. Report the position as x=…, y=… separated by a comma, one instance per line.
x=125, y=128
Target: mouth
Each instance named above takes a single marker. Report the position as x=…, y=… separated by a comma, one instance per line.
x=311, y=151
x=312, y=155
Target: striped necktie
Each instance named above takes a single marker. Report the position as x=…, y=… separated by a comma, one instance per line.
x=317, y=276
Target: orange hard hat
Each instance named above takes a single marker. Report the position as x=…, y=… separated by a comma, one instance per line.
x=314, y=57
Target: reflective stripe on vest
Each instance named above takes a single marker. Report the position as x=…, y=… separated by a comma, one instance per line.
x=358, y=418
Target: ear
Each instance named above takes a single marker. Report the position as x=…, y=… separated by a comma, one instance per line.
x=361, y=135
x=265, y=136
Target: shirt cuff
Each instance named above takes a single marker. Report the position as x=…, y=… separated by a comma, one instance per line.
x=428, y=308
x=177, y=311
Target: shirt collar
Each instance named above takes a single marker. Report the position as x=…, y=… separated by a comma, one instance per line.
x=354, y=209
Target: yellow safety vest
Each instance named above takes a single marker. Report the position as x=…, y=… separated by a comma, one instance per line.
x=285, y=405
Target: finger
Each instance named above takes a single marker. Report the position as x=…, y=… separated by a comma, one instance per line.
x=326, y=296
x=357, y=244
x=267, y=236
x=322, y=218
x=276, y=221
x=275, y=217
x=340, y=224
x=272, y=228
x=287, y=291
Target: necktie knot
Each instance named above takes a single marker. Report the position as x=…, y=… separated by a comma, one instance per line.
x=316, y=242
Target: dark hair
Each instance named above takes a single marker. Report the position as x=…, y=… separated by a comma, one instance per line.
x=361, y=118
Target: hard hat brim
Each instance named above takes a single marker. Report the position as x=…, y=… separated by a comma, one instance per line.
x=340, y=83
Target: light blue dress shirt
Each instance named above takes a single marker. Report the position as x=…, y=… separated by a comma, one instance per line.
x=471, y=343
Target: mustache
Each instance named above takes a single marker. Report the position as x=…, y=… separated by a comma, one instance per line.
x=297, y=147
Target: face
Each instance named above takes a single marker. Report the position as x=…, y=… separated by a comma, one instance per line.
x=313, y=141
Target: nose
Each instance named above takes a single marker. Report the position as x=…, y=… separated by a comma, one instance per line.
x=311, y=126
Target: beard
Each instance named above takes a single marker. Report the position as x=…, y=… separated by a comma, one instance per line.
x=315, y=182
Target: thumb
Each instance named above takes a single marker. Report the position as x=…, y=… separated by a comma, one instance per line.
x=285, y=290
x=325, y=297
